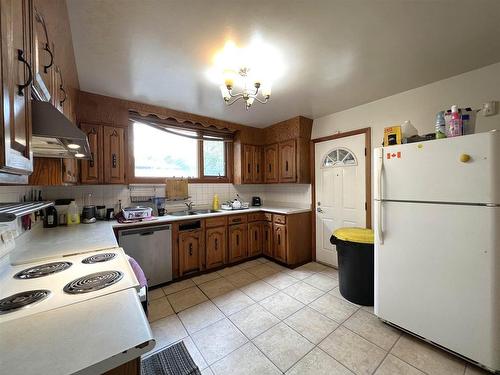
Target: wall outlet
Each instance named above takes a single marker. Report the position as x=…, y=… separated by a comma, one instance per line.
x=490, y=108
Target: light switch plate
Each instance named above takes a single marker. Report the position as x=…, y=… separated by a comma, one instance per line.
x=490, y=108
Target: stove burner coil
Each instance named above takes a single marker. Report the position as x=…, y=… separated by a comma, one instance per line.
x=42, y=270
x=98, y=258
x=93, y=282
x=18, y=300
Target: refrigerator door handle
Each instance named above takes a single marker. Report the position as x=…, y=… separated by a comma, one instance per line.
x=380, y=233
x=379, y=159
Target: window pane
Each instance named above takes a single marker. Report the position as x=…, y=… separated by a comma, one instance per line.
x=161, y=154
x=214, y=158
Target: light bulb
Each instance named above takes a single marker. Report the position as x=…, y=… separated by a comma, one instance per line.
x=73, y=146
x=79, y=155
x=250, y=101
x=229, y=75
x=266, y=91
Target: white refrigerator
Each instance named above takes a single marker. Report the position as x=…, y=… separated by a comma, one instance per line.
x=437, y=242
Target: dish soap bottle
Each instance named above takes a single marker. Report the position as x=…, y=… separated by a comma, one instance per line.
x=215, y=203
x=73, y=214
x=455, y=126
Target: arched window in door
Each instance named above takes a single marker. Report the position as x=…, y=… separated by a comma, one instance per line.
x=339, y=157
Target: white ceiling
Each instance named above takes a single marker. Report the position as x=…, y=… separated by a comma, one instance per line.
x=338, y=53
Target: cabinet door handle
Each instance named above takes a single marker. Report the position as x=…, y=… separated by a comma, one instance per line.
x=237, y=240
x=20, y=57
x=248, y=168
x=91, y=162
x=190, y=249
x=61, y=102
x=279, y=240
x=286, y=165
x=255, y=236
x=236, y=220
x=265, y=235
x=216, y=244
x=113, y=160
x=270, y=168
x=258, y=168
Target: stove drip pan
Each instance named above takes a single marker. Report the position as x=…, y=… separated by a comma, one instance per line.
x=93, y=282
x=19, y=300
x=42, y=270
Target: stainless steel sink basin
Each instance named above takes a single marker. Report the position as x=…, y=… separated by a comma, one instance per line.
x=205, y=211
x=182, y=213
x=194, y=212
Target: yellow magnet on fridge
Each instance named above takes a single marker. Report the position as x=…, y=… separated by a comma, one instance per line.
x=464, y=158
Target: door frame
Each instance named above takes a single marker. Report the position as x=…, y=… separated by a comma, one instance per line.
x=368, y=176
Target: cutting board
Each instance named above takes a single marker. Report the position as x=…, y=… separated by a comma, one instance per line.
x=176, y=188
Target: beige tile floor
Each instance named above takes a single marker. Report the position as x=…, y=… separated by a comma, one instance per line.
x=261, y=318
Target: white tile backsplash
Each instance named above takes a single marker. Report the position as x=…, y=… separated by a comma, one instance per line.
x=296, y=195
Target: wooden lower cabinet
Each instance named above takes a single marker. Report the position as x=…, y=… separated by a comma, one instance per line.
x=190, y=251
x=280, y=242
x=215, y=240
x=267, y=239
x=254, y=239
x=237, y=242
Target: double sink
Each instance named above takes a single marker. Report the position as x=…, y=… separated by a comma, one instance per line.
x=192, y=212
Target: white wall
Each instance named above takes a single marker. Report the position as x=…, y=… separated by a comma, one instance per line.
x=419, y=105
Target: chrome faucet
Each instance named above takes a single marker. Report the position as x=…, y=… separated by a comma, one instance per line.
x=189, y=205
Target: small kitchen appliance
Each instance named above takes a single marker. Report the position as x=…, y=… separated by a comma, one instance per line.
x=138, y=212
x=89, y=211
x=256, y=201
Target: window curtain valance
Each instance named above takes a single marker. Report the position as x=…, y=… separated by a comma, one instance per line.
x=183, y=127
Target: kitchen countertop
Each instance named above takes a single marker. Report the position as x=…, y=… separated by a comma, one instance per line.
x=47, y=243
x=83, y=338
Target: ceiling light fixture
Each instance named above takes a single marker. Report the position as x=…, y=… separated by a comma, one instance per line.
x=73, y=146
x=80, y=155
x=250, y=70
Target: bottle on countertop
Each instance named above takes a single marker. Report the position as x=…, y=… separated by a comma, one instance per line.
x=215, y=203
x=50, y=218
x=73, y=216
x=440, y=125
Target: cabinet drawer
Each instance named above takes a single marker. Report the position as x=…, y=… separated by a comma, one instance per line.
x=257, y=216
x=216, y=222
x=268, y=216
x=237, y=219
x=280, y=219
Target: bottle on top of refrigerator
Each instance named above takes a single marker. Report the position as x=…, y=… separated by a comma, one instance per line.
x=73, y=216
x=455, y=124
x=440, y=125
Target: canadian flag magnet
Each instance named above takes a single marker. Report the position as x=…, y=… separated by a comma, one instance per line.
x=393, y=155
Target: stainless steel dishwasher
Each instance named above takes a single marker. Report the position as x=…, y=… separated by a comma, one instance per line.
x=151, y=247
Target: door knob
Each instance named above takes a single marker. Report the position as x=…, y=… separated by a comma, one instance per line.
x=319, y=209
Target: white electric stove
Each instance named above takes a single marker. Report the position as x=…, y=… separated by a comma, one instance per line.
x=46, y=285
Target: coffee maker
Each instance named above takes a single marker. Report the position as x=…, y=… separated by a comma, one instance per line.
x=89, y=211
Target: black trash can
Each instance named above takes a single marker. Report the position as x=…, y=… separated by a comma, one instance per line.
x=355, y=261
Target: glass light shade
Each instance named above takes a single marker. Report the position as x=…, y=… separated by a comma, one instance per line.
x=79, y=155
x=250, y=101
x=73, y=146
x=225, y=92
x=229, y=77
x=266, y=90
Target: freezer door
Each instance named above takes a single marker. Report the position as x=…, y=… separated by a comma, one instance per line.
x=461, y=169
x=437, y=275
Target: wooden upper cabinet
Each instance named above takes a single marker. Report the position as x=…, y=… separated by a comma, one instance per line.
x=257, y=164
x=16, y=77
x=237, y=242
x=114, y=162
x=247, y=164
x=287, y=157
x=279, y=240
x=91, y=170
x=216, y=246
x=271, y=163
x=190, y=247
x=43, y=62
x=254, y=238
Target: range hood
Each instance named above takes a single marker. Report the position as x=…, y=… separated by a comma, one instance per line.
x=54, y=136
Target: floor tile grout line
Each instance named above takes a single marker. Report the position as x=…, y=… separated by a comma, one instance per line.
x=386, y=355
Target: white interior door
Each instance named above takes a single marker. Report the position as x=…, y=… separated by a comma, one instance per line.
x=340, y=190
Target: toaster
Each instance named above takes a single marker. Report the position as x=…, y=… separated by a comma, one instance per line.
x=256, y=201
